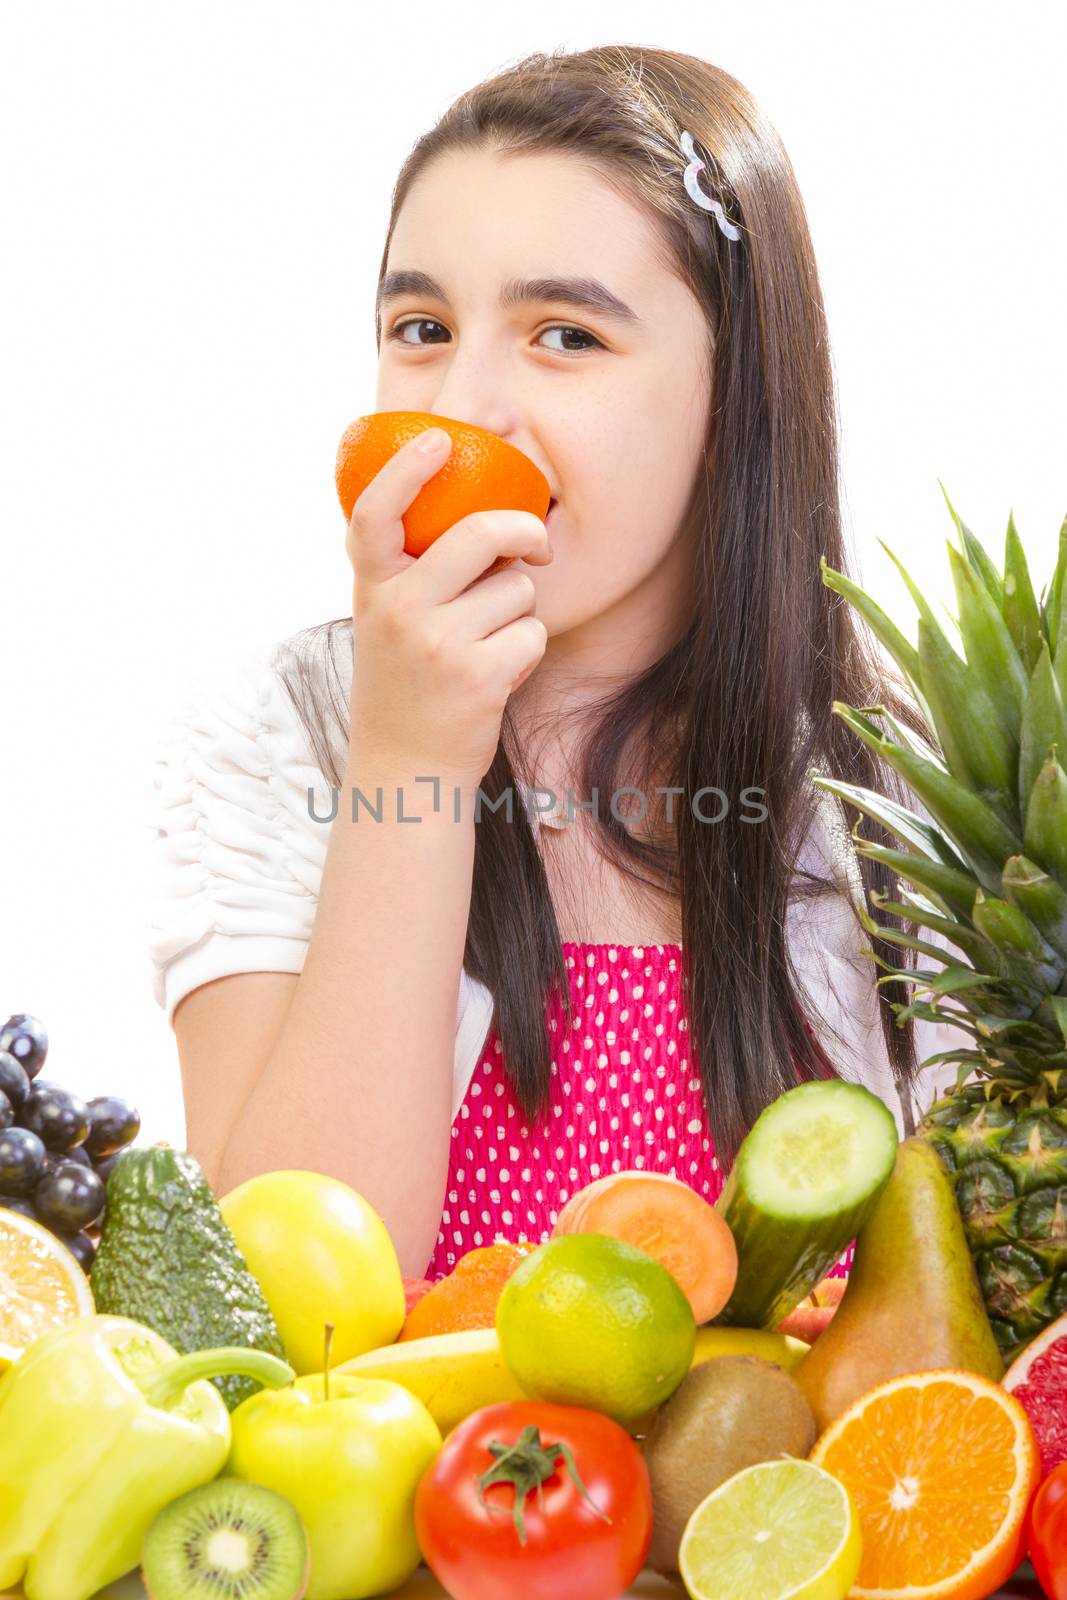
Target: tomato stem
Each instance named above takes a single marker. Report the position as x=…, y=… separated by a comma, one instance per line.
x=526, y=1465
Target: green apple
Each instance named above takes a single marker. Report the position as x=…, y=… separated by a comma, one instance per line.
x=350, y=1460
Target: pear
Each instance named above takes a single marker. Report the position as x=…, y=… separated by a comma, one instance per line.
x=913, y=1302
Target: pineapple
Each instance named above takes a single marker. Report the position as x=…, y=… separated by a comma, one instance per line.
x=988, y=864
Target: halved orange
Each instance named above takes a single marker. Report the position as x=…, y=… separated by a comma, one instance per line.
x=941, y=1466
x=42, y=1286
x=481, y=473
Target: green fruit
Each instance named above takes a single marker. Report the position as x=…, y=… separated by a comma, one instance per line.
x=591, y=1321
x=778, y=1528
x=348, y=1452
x=988, y=859
x=913, y=1302
x=166, y=1258
x=727, y=1414
x=226, y=1541
x=803, y=1184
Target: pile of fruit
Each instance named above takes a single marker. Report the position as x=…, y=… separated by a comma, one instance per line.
x=246, y=1398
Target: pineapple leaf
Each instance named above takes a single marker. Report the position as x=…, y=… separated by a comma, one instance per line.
x=1059, y=1005
x=1054, y=620
x=990, y=648
x=898, y=819
x=1044, y=725
x=1046, y=819
x=1044, y=901
x=965, y=1057
x=978, y=747
x=954, y=890
x=976, y=554
x=907, y=736
x=1028, y=964
x=1021, y=610
x=954, y=979
x=975, y=828
x=897, y=936
x=928, y=1011
x=959, y=933
x=908, y=942
x=904, y=654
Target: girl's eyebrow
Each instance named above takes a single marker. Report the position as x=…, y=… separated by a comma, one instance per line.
x=586, y=292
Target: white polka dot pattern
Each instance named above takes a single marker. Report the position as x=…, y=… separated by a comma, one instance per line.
x=623, y=1095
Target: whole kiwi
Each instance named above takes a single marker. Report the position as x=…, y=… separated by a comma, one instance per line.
x=726, y=1414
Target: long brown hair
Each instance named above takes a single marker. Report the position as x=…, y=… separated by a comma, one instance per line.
x=750, y=685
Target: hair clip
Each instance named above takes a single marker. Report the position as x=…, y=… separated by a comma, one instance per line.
x=695, y=192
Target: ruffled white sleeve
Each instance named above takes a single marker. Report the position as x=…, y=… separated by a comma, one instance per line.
x=235, y=858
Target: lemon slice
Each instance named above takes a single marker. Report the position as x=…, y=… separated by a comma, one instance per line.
x=41, y=1285
x=782, y=1530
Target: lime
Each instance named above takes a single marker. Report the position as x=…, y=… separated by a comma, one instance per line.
x=782, y=1530
x=591, y=1321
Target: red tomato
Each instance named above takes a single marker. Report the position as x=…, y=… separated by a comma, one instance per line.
x=537, y=1535
x=1048, y=1533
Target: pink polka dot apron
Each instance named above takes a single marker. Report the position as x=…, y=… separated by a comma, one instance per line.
x=623, y=1095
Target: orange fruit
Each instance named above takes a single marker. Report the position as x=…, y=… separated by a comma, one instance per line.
x=482, y=473
x=941, y=1466
x=42, y=1287
x=467, y=1297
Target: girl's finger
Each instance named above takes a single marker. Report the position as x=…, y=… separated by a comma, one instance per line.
x=492, y=603
x=515, y=650
x=466, y=551
x=375, y=540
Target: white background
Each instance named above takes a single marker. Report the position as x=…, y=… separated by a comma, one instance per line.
x=193, y=203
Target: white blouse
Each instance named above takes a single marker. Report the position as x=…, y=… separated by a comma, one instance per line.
x=236, y=858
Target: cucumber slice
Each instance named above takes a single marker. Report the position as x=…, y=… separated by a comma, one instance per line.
x=805, y=1181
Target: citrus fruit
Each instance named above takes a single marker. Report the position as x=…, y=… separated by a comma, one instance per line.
x=781, y=1530
x=41, y=1285
x=1038, y=1380
x=669, y=1221
x=941, y=1466
x=591, y=1321
x=468, y=1297
x=321, y=1254
x=481, y=473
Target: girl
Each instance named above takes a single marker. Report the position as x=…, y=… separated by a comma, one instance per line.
x=603, y=258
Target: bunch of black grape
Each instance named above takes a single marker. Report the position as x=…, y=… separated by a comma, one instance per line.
x=56, y=1150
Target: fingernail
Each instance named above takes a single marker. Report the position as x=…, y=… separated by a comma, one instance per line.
x=431, y=441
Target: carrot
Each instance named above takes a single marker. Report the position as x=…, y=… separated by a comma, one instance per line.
x=669, y=1221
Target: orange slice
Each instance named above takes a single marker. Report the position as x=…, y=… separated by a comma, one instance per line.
x=42, y=1287
x=941, y=1466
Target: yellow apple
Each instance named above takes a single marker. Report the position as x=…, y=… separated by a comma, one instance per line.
x=322, y=1255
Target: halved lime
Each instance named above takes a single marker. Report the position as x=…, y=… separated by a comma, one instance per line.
x=782, y=1530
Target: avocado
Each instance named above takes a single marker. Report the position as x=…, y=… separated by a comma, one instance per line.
x=166, y=1258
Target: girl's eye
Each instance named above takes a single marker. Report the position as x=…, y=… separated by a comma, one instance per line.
x=400, y=331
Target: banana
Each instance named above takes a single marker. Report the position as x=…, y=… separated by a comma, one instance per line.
x=780, y=1348
x=453, y=1374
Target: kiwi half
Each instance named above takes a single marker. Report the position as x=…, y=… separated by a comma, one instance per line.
x=227, y=1540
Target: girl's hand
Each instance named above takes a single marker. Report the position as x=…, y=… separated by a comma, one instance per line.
x=438, y=646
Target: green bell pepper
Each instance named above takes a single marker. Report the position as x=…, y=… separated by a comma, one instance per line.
x=102, y=1424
